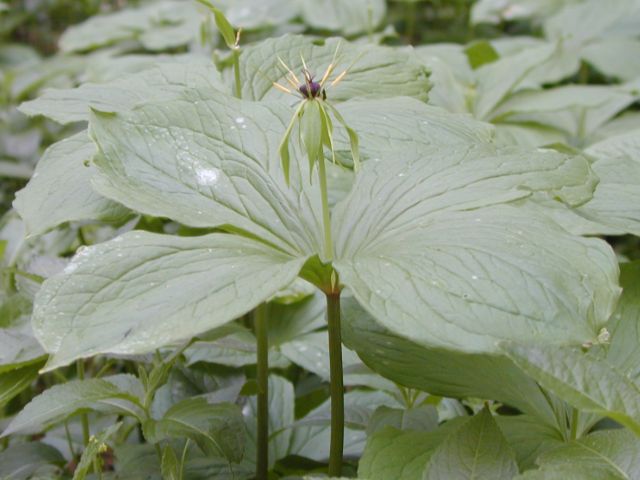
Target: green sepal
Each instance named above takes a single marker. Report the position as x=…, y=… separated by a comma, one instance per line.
x=353, y=137
x=284, y=143
x=311, y=131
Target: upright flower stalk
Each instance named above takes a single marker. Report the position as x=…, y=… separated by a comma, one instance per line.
x=315, y=132
x=314, y=117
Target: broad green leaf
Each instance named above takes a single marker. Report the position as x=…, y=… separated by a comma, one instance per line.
x=63, y=400
x=60, y=189
x=23, y=461
x=289, y=321
x=216, y=429
x=159, y=82
x=624, y=351
x=617, y=164
x=577, y=110
x=427, y=252
x=497, y=11
x=475, y=451
x=373, y=72
x=18, y=347
x=281, y=415
x=55, y=71
x=348, y=17
x=205, y=160
x=529, y=437
x=585, y=381
x=14, y=381
x=97, y=445
x=448, y=92
x=611, y=57
x=156, y=25
x=311, y=434
x=605, y=455
x=423, y=418
x=497, y=80
x=592, y=19
x=256, y=14
x=402, y=455
x=311, y=352
x=235, y=350
x=142, y=291
x=438, y=371
x=388, y=126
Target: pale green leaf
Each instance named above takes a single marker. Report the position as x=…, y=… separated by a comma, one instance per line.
x=577, y=110
x=603, y=455
x=529, y=437
x=142, y=291
x=624, y=350
x=157, y=25
x=311, y=352
x=611, y=57
x=24, y=461
x=311, y=434
x=475, y=451
x=63, y=400
x=256, y=14
x=617, y=196
x=438, y=371
x=593, y=19
x=289, y=321
x=348, y=17
x=497, y=11
x=60, y=190
x=161, y=81
x=423, y=418
x=216, y=429
x=18, y=347
x=373, y=71
x=497, y=80
x=585, y=381
x=205, y=160
x=386, y=127
x=14, y=381
x=427, y=255
x=281, y=415
x=402, y=455
x=235, y=350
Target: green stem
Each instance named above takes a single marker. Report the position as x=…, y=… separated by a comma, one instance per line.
x=575, y=418
x=262, y=454
x=84, y=418
x=236, y=72
x=337, y=388
x=326, y=216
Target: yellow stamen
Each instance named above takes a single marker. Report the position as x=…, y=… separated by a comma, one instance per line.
x=338, y=78
x=282, y=88
x=286, y=67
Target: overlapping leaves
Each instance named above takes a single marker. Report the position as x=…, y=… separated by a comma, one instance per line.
x=423, y=241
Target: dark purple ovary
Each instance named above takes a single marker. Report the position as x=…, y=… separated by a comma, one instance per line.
x=310, y=90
